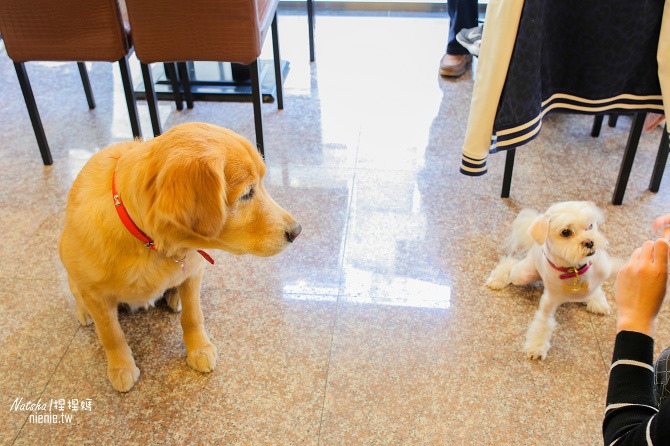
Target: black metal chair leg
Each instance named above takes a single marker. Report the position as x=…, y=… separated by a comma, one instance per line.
x=257, y=99
x=278, y=76
x=310, y=26
x=507, y=176
x=131, y=100
x=628, y=157
x=83, y=73
x=152, y=101
x=661, y=160
x=171, y=73
x=186, y=83
x=611, y=121
x=597, y=124
x=33, y=113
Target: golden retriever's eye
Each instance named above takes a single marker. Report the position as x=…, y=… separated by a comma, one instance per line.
x=566, y=233
x=249, y=195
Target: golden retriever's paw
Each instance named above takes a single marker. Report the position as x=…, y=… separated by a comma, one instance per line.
x=202, y=360
x=83, y=316
x=172, y=299
x=123, y=378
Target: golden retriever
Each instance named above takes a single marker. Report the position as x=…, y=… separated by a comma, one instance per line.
x=197, y=186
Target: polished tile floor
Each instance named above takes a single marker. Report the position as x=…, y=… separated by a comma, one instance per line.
x=374, y=328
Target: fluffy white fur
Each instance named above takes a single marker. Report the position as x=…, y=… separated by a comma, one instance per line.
x=567, y=235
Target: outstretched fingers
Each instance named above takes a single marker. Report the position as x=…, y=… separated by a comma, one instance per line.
x=661, y=254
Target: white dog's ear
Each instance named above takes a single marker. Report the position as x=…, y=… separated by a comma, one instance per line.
x=539, y=229
x=600, y=217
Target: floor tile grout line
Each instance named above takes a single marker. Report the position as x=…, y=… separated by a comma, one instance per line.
x=18, y=434
x=600, y=348
x=339, y=291
x=325, y=385
x=349, y=210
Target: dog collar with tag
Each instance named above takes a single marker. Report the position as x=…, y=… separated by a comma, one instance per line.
x=570, y=272
x=573, y=273
x=137, y=232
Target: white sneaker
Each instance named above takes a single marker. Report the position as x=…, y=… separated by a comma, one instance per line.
x=471, y=39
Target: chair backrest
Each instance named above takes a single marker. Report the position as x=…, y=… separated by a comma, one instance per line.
x=199, y=30
x=63, y=30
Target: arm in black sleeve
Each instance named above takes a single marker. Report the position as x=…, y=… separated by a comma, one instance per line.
x=631, y=415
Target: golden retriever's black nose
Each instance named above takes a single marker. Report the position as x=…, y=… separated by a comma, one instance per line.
x=588, y=244
x=293, y=233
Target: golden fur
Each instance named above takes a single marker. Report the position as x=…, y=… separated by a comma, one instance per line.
x=198, y=186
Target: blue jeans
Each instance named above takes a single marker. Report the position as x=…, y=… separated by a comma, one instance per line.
x=462, y=14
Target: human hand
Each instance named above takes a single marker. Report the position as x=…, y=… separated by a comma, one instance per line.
x=653, y=120
x=641, y=286
x=662, y=225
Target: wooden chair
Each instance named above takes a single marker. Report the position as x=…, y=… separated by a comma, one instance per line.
x=66, y=30
x=179, y=31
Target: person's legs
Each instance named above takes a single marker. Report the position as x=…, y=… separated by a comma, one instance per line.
x=462, y=14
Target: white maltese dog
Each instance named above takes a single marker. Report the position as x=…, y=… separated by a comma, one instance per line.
x=565, y=250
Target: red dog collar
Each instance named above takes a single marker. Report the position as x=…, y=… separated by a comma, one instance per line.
x=571, y=271
x=132, y=227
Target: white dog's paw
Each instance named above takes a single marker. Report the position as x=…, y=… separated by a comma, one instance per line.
x=83, y=316
x=123, y=378
x=497, y=283
x=499, y=277
x=536, y=350
x=202, y=360
x=538, y=336
x=173, y=300
x=598, y=305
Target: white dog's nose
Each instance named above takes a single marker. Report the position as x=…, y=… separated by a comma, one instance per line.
x=588, y=244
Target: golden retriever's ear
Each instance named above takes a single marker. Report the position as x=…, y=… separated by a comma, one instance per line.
x=191, y=194
x=539, y=229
